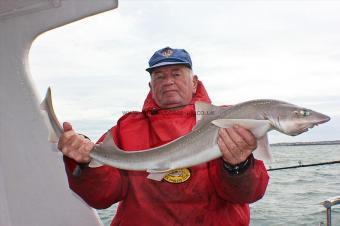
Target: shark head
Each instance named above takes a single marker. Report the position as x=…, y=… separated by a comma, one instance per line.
x=294, y=120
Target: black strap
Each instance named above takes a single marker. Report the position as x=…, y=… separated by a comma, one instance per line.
x=237, y=169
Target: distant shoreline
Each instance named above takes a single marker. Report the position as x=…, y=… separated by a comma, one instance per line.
x=333, y=142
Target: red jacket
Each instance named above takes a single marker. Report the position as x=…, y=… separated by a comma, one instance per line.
x=210, y=196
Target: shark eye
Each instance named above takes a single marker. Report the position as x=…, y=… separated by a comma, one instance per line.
x=304, y=113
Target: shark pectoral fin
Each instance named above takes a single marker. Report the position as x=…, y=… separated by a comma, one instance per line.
x=157, y=174
x=262, y=152
x=94, y=164
x=258, y=127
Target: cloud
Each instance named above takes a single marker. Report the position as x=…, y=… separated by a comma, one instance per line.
x=241, y=50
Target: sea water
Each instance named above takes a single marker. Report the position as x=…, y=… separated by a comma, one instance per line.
x=293, y=196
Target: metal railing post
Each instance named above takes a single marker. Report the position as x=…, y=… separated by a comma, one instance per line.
x=328, y=205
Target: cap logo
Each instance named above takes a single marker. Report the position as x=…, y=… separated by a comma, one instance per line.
x=167, y=52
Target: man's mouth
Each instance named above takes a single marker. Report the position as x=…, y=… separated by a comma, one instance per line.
x=169, y=91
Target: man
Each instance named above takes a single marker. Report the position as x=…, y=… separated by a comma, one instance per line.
x=213, y=193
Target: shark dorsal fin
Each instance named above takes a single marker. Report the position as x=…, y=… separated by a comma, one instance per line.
x=201, y=108
x=206, y=112
x=108, y=140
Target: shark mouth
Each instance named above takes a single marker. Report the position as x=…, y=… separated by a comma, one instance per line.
x=311, y=125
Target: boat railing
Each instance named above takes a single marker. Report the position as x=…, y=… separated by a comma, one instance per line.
x=328, y=203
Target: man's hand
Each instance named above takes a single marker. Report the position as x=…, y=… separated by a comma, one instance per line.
x=75, y=146
x=236, y=144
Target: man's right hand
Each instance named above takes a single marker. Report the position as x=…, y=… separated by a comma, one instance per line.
x=75, y=146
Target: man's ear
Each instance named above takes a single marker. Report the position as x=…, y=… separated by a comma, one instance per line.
x=150, y=85
x=195, y=83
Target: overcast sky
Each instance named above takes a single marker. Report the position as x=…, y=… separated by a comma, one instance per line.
x=241, y=50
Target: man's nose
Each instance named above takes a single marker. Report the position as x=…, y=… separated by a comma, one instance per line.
x=169, y=80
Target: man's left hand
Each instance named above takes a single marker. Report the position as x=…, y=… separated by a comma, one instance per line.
x=236, y=144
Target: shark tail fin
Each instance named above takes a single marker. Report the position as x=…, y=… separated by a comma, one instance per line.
x=54, y=128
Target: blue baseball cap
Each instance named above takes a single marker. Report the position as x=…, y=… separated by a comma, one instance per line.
x=169, y=56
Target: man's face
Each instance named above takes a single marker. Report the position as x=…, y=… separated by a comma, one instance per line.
x=172, y=86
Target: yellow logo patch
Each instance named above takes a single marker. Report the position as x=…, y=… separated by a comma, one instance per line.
x=178, y=176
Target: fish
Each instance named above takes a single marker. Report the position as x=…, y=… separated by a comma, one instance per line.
x=53, y=125
x=200, y=145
